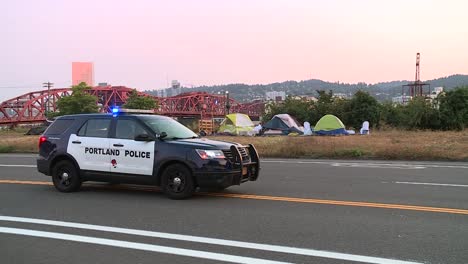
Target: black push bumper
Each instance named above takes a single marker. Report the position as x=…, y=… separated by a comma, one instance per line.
x=244, y=165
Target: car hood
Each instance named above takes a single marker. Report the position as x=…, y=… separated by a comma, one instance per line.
x=203, y=143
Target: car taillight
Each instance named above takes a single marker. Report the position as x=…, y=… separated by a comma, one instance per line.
x=42, y=139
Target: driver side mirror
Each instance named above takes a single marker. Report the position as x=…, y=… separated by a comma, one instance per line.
x=144, y=137
x=162, y=135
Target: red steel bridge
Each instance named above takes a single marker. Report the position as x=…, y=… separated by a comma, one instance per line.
x=31, y=107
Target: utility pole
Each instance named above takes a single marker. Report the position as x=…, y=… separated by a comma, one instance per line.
x=48, y=85
x=228, y=104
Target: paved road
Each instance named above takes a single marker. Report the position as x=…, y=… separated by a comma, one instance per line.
x=300, y=211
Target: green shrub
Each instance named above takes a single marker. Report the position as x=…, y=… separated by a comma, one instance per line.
x=6, y=148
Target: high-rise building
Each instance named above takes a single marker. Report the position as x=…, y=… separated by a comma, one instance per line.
x=83, y=72
x=175, y=88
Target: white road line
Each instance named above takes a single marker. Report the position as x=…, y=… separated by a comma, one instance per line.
x=139, y=246
x=377, y=165
x=331, y=163
x=214, y=241
x=18, y=165
x=434, y=184
x=9, y=155
x=374, y=163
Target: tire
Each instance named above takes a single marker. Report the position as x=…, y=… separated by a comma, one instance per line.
x=71, y=183
x=177, y=182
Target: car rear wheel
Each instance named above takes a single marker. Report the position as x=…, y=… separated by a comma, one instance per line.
x=65, y=177
x=177, y=182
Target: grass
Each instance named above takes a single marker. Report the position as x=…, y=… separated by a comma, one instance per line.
x=15, y=141
x=387, y=145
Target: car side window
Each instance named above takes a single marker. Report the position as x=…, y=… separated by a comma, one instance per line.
x=128, y=129
x=95, y=128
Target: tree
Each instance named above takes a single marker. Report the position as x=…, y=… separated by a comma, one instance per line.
x=136, y=101
x=297, y=108
x=391, y=114
x=79, y=102
x=362, y=107
x=323, y=106
x=328, y=104
x=454, y=109
x=420, y=114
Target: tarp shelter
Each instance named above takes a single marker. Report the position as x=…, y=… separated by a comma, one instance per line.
x=330, y=125
x=284, y=123
x=237, y=124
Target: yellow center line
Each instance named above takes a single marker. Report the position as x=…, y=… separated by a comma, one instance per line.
x=25, y=182
x=274, y=198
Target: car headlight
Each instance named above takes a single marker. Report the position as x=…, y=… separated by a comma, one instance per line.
x=210, y=154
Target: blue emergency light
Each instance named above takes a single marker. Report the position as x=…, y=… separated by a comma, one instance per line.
x=115, y=111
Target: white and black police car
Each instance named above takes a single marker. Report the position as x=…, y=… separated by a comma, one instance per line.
x=141, y=149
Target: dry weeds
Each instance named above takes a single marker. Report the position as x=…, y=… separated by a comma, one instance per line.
x=14, y=142
x=389, y=145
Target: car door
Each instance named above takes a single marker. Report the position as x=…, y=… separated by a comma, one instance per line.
x=135, y=157
x=90, y=146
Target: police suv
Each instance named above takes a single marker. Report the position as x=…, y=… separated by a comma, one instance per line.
x=141, y=149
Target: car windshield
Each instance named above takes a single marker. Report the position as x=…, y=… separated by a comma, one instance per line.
x=173, y=129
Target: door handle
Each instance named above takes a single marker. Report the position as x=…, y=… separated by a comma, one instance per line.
x=76, y=142
x=118, y=145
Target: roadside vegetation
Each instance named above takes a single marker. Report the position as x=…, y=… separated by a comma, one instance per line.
x=385, y=145
x=15, y=141
x=449, y=111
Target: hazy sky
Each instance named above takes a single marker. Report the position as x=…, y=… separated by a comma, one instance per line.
x=145, y=43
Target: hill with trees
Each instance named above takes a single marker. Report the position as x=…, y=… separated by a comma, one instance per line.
x=382, y=91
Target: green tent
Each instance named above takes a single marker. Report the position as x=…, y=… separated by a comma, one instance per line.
x=237, y=124
x=330, y=125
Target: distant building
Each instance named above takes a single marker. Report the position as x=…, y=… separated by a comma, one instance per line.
x=307, y=98
x=402, y=99
x=435, y=92
x=275, y=96
x=161, y=93
x=83, y=72
x=340, y=95
x=175, y=89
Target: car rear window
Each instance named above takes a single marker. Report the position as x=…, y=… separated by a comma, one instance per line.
x=59, y=126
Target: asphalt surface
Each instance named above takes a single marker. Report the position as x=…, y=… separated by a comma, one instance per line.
x=314, y=211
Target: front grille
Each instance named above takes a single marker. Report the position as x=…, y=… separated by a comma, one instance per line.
x=228, y=155
x=244, y=152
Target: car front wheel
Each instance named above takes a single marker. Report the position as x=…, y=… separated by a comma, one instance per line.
x=177, y=182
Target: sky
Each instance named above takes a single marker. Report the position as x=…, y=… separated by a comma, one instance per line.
x=145, y=44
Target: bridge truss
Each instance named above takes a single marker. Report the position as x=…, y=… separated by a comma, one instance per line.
x=32, y=107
